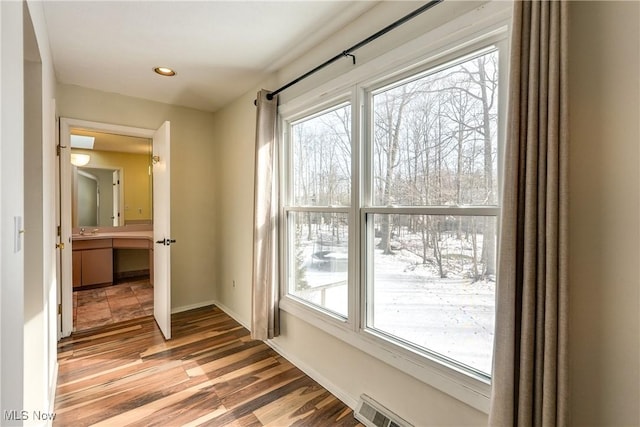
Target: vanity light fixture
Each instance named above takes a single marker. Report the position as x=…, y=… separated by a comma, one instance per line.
x=164, y=71
x=78, y=159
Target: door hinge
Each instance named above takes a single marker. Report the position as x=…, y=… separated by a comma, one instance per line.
x=59, y=231
x=59, y=309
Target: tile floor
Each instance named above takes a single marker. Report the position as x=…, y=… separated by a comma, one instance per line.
x=112, y=304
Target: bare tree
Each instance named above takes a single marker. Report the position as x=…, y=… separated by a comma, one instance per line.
x=435, y=145
x=389, y=115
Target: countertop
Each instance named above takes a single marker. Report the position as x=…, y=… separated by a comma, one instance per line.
x=114, y=235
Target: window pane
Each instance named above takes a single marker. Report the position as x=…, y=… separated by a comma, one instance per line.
x=435, y=137
x=318, y=259
x=321, y=156
x=433, y=284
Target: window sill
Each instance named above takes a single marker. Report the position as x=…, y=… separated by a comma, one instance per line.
x=472, y=390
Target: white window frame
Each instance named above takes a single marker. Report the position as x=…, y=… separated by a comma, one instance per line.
x=288, y=206
x=483, y=27
x=368, y=207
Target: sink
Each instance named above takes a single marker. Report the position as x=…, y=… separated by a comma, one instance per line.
x=85, y=234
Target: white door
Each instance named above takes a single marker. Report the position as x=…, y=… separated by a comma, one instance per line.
x=162, y=304
x=59, y=253
x=162, y=231
x=115, y=219
x=66, y=287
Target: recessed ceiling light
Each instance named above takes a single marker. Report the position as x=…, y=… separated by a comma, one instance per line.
x=164, y=71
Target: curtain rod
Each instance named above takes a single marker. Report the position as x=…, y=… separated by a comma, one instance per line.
x=348, y=52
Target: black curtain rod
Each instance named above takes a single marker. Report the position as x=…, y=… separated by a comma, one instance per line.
x=349, y=52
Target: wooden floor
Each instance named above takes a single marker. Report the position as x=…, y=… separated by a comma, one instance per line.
x=211, y=373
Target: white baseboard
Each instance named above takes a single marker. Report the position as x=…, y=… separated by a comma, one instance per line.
x=232, y=314
x=218, y=304
x=192, y=306
x=347, y=399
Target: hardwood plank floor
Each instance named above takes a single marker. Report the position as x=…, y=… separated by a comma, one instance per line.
x=210, y=374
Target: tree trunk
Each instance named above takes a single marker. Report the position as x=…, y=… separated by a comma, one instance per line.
x=489, y=232
x=392, y=154
x=425, y=237
x=437, y=254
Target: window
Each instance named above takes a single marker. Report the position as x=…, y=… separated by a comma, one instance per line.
x=317, y=217
x=390, y=213
x=431, y=221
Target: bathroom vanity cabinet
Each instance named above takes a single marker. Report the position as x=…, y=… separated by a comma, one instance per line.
x=93, y=255
x=92, y=262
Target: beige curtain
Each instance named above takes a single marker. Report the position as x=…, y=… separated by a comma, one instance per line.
x=264, y=315
x=530, y=361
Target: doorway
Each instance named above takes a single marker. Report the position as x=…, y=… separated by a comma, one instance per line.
x=91, y=257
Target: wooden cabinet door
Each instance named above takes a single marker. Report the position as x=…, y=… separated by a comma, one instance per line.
x=77, y=269
x=97, y=266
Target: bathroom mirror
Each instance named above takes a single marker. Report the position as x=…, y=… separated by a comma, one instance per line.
x=99, y=197
x=111, y=180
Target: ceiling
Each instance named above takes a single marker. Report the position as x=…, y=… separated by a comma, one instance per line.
x=219, y=49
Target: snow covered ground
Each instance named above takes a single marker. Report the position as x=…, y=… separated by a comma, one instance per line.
x=453, y=317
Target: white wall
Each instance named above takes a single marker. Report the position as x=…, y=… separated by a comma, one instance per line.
x=194, y=203
x=50, y=325
x=235, y=136
x=35, y=319
x=40, y=285
x=604, y=217
x=12, y=205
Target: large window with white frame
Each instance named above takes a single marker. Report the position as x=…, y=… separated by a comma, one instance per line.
x=317, y=212
x=430, y=214
x=390, y=210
